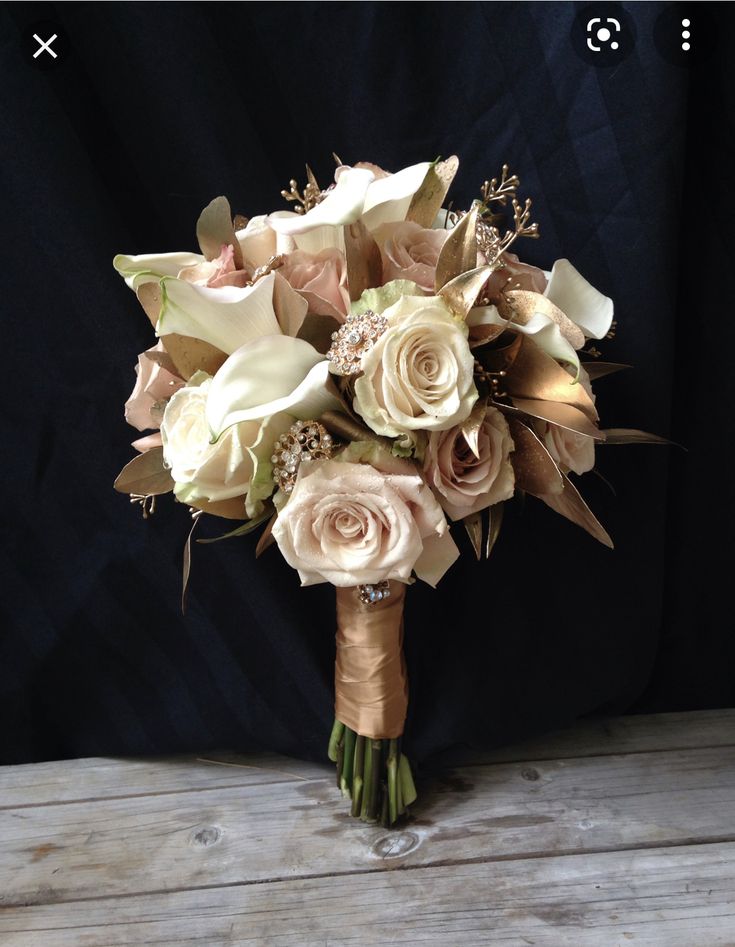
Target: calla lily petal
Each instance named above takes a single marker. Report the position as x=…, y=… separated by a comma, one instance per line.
x=579, y=300
x=543, y=330
x=257, y=241
x=342, y=205
x=147, y=268
x=270, y=374
x=388, y=199
x=226, y=317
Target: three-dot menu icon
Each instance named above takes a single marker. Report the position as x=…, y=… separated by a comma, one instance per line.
x=685, y=34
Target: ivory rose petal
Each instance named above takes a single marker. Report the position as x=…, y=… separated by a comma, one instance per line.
x=349, y=523
x=419, y=373
x=228, y=468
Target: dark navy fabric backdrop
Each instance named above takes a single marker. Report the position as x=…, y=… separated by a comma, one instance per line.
x=159, y=108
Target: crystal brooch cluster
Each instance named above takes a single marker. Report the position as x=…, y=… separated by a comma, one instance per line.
x=305, y=441
x=353, y=340
x=372, y=594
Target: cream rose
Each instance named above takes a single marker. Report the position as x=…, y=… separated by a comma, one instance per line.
x=410, y=252
x=321, y=278
x=235, y=465
x=571, y=451
x=419, y=373
x=349, y=523
x=465, y=481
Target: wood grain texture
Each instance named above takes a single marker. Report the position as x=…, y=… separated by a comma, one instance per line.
x=657, y=898
x=239, y=835
x=602, y=736
x=99, y=778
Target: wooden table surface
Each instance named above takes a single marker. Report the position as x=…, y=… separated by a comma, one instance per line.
x=616, y=832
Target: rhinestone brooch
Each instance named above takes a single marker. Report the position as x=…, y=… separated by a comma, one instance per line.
x=353, y=340
x=305, y=441
x=372, y=594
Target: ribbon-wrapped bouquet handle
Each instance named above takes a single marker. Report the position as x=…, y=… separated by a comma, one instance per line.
x=363, y=375
x=371, y=701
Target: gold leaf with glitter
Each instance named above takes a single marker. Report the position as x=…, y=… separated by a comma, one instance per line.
x=459, y=252
x=427, y=201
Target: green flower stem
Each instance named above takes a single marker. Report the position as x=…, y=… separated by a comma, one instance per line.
x=358, y=776
x=367, y=789
x=348, y=763
x=374, y=774
x=392, y=781
x=374, y=811
x=337, y=731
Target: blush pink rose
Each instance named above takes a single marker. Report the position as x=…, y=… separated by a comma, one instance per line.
x=349, y=524
x=217, y=273
x=157, y=381
x=570, y=450
x=321, y=278
x=514, y=275
x=410, y=252
x=462, y=481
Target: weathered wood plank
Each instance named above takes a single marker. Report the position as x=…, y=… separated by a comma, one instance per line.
x=258, y=833
x=70, y=780
x=96, y=778
x=657, y=898
x=597, y=736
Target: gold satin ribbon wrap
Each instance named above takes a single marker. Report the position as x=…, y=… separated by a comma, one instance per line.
x=370, y=682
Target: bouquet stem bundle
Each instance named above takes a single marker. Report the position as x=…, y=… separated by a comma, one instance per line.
x=371, y=699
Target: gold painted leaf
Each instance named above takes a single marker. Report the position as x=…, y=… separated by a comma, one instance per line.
x=538, y=377
x=473, y=525
x=623, y=435
x=427, y=201
x=364, y=264
x=215, y=228
x=599, y=369
x=520, y=305
x=459, y=253
x=191, y=355
x=242, y=530
x=494, y=522
x=565, y=415
x=461, y=293
x=266, y=537
x=471, y=428
x=186, y=572
x=317, y=331
x=232, y=509
x=535, y=469
x=145, y=475
x=150, y=297
x=570, y=504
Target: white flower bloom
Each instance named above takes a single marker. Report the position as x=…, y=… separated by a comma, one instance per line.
x=236, y=465
x=419, y=373
x=579, y=301
x=269, y=375
x=358, y=192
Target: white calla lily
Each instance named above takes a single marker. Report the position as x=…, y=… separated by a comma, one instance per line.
x=357, y=193
x=543, y=330
x=226, y=317
x=267, y=375
x=388, y=199
x=342, y=205
x=151, y=267
x=579, y=300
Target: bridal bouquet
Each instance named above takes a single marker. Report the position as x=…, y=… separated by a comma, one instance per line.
x=357, y=375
